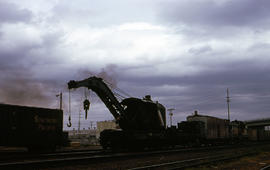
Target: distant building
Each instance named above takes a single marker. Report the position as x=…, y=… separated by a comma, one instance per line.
x=84, y=131
x=84, y=136
x=102, y=125
x=91, y=136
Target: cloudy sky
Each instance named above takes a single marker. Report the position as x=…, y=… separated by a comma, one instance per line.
x=184, y=53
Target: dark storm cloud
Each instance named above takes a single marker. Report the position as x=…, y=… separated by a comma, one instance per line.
x=19, y=87
x=11, y=13
x=248, y=81
x=12, y=58
x=27, y=70
x=20, y=55
x=30, y=54
x=217, y=13
x=21, y=82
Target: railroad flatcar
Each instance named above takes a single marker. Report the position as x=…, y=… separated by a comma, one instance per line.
x=31, y=127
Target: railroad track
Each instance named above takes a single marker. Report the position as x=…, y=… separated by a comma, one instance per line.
x=74, y=157
x=208, y=159
x=17, y=156
x=92, y=157
x=26, y=155
x=188, y=163
x=266, y=167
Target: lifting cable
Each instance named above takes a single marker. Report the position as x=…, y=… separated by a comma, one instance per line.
x=123, y=92
x=69, y=124
x=117, y=89
x=118, y=95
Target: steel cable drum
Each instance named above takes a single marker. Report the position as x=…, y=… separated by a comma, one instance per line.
x=142, y=115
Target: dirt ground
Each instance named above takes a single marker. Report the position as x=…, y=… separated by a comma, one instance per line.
x=254, y=162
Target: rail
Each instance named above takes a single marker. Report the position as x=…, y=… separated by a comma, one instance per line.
x=194, y=162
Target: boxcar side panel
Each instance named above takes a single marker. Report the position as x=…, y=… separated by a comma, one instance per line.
x=30, y=126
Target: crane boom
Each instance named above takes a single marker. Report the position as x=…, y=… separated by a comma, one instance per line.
x=104, y=93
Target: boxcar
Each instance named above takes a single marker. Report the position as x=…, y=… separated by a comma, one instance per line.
x=238, y=130
x=216, y=129
x=31, y=127
x=257, y=133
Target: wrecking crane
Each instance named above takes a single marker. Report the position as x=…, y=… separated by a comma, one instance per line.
x=137, y=118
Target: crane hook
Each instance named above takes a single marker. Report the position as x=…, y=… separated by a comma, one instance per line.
x=69, y=124
x=86, y=105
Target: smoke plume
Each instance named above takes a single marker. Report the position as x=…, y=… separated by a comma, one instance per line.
x=108, y=74
x=20, y=87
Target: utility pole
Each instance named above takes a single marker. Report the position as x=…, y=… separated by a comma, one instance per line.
x=171, y=114
x=91, y=124
x=60, y=95
x=61, y=100
x=228, y=104
x=79, y=123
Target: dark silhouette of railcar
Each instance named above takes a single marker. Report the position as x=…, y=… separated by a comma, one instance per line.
x=31, y=127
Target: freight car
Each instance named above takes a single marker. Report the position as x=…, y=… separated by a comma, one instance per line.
x=238, y=131
x=258, y=134
x=215, y=128
x=31, y=127
x=212, y=130
x=198, y=130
